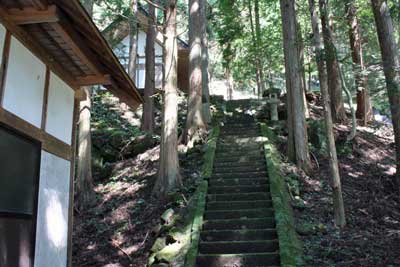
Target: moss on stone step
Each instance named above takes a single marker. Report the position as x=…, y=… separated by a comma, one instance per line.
x=291, y=250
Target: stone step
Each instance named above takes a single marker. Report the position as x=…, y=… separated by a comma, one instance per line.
x=238, y=205
x=239, y=224
x=239, y=260
x=236, y=138
x=239, y=119
x=243, y=131
x=235, y=147
x=231, y=247
x=239, y=235
x=231, y=169
x=237, y=189
x=230, y=139
x=240, y=132
x=238, y=127
x=237, y=214
x=239, y=197
x=250, y=125
x=238, y=182
x=259, y=174
x=244, y=159
x=257, y=163
x=239, y=153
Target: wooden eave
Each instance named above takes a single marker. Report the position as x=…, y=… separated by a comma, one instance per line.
x=64, y=37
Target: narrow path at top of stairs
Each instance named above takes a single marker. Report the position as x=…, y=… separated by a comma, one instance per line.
x=239, y=225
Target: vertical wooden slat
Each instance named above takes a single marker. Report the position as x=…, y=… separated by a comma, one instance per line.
x=71, y=183
x=4, y=64
x=45, y=98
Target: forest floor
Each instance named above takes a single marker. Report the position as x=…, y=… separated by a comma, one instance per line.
x=120, y=227
x=367, y=166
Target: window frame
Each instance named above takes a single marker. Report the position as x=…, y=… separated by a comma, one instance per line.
x=38, y=146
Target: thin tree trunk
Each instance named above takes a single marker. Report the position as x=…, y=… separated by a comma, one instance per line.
x=391, y=68
x=350, y=102
x=291, y=150
x=300, y=44
x=293, y=69
x=332, y=65
x=259, y=47
x=229, y=80
x=204, y=63
x=84, y=178
x=133, y=39
x=340, y=219
x=168, y=173
x=255, y=47
x=148, y=105
x=309, y=76
x=364, y=108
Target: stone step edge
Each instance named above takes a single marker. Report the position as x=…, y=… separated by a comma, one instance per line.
x=253, y=201
x=236, y=210
x=240, y=241
x=242, y=254
x=240, y=219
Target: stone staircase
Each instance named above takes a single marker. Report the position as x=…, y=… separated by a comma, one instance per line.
x=239, y=225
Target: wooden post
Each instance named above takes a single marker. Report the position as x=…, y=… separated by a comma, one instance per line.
x=4, y=64
x=72, y=175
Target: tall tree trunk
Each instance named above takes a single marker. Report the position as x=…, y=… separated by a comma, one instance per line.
x=259, y=47
x=391, y=68
x=293, y=70
x=168, y=173
x=255, y=47
x=332, y=65
x=300, y=44
x=291, y=150
x=133, y=39
x=340, y=219
x=204, y=62
x=148, y=105
x=84, y=178
x=195, y=124
x=229, y=80
x=364, y=108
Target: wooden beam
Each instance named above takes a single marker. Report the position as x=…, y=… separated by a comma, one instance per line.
x=78, y=46
x=45, y=99
x=49, y=142
x=94, y=80
x=25, y=38
x=32, y=15
x=4, y=65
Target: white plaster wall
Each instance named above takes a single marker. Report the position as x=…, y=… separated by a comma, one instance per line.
x=23, y=94
x=123, y=51
x=142, y=45
x=52, y=218
x=141, y=41
x=2, y=37
x=158, y=50
x=60, y=109
x=140, y=78
x=159, y=76
x=124, y=47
